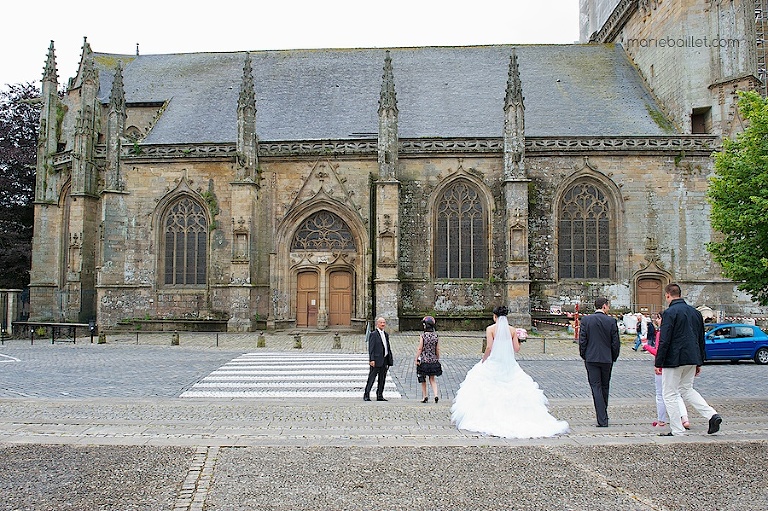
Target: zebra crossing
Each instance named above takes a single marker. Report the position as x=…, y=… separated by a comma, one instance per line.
x=290, y=375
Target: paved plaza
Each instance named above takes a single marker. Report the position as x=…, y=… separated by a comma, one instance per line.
x=217, y=423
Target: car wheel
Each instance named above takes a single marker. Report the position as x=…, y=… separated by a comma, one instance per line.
x=761, y=357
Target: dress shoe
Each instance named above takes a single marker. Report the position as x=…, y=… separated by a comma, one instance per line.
x=366, y=398
x=380, y=399
x=425, y=400
x=666, y=434
x=714, y=424
x=602, y=425
x=437, y=399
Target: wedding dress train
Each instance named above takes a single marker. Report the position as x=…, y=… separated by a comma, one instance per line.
x=498, y=398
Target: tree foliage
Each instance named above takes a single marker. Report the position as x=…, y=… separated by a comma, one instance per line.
x=739, y=198
x=19, y=116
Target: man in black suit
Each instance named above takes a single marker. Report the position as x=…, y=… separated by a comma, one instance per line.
x=380, y=357
x=599, y=346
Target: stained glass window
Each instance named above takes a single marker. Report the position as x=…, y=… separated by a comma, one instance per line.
x=186, y=243
x=584, y=234
x=323, y=231
x=461, y=246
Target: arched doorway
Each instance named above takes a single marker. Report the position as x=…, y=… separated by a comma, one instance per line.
x=307, y=299
x=340, y=284
x=650, y=295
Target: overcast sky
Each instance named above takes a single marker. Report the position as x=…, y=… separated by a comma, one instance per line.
x=163, y=26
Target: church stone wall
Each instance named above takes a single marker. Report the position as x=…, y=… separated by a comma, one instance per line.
x=421, y=180
x=694, y=56
x=663, y=218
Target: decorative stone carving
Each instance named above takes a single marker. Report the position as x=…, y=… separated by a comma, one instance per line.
x=703, y=144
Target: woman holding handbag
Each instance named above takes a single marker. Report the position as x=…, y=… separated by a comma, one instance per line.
x=428, y=358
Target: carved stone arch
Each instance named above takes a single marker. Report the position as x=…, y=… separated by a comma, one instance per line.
x=589, y=172
x=288, y=263
x=182, y=188
x=66, y=189
x=65, y=245
x=485, y=196
x=588, y=177
x=461, y=174
x=289, y=225
x=648, y=288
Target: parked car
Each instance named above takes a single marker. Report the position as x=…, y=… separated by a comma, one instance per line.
x=735, y=341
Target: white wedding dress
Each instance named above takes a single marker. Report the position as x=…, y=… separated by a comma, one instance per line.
x=498, y=398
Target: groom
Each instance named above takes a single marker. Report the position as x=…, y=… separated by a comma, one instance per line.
x=599, y=346
x=380, y=357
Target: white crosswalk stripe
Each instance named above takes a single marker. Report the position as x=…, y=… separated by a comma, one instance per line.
x=290, y=375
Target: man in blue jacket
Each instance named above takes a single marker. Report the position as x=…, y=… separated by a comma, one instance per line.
x=679, y=356
x=599, y=346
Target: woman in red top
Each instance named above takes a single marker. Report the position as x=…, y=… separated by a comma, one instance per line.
x=661, y=409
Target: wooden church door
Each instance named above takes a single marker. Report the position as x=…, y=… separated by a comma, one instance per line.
x=307, y=299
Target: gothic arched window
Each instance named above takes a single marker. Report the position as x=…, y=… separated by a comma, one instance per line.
x=323, y=231
x=584, y=233
x=185, y=228
x=461, y=242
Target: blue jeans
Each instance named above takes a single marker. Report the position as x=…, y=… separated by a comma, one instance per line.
x=638, y=342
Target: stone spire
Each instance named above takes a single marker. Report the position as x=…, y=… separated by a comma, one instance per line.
x=84, y=173
x=50, y=74
x=388, y=141
x=115, y=128
x=514, y=123
x=388, y=99
x=47, y=139
x=247, y=139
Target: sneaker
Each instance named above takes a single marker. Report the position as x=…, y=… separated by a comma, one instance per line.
x=714, y=424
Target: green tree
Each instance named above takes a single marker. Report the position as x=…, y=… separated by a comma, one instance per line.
x=19, y=116
x=739, y=198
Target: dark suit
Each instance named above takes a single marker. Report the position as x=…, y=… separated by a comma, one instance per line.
x=599, y=346
x=381, y=362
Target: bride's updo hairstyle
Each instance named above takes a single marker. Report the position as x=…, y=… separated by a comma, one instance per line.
x=501, y=310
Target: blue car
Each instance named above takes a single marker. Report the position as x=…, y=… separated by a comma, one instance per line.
x=735, y=341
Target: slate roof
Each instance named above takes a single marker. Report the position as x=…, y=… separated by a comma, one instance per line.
x=445, y=92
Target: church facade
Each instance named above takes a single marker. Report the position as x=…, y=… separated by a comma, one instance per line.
x=323, y=188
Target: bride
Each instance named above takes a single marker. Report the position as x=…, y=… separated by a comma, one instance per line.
x=497, y=397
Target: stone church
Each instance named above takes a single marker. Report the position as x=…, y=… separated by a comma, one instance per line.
x=322, y=188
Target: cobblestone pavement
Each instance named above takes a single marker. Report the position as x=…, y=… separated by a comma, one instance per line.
x=88, y=426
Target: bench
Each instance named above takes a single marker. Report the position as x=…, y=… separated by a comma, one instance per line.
x=53, y=327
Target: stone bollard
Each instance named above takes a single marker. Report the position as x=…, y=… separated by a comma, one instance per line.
x=297, y=341
x=261, y=342
x=336, y=341
x=175, y=339
x=102, y=338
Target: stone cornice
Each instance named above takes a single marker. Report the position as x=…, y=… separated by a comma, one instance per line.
x=615, y=22
x=691, y=144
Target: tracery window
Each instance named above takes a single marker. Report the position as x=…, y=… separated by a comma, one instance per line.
x=461, y=240
x=323, y=231
x=584, y=233
x=185, y=226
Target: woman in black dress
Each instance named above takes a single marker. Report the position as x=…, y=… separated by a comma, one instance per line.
x=428, y=358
